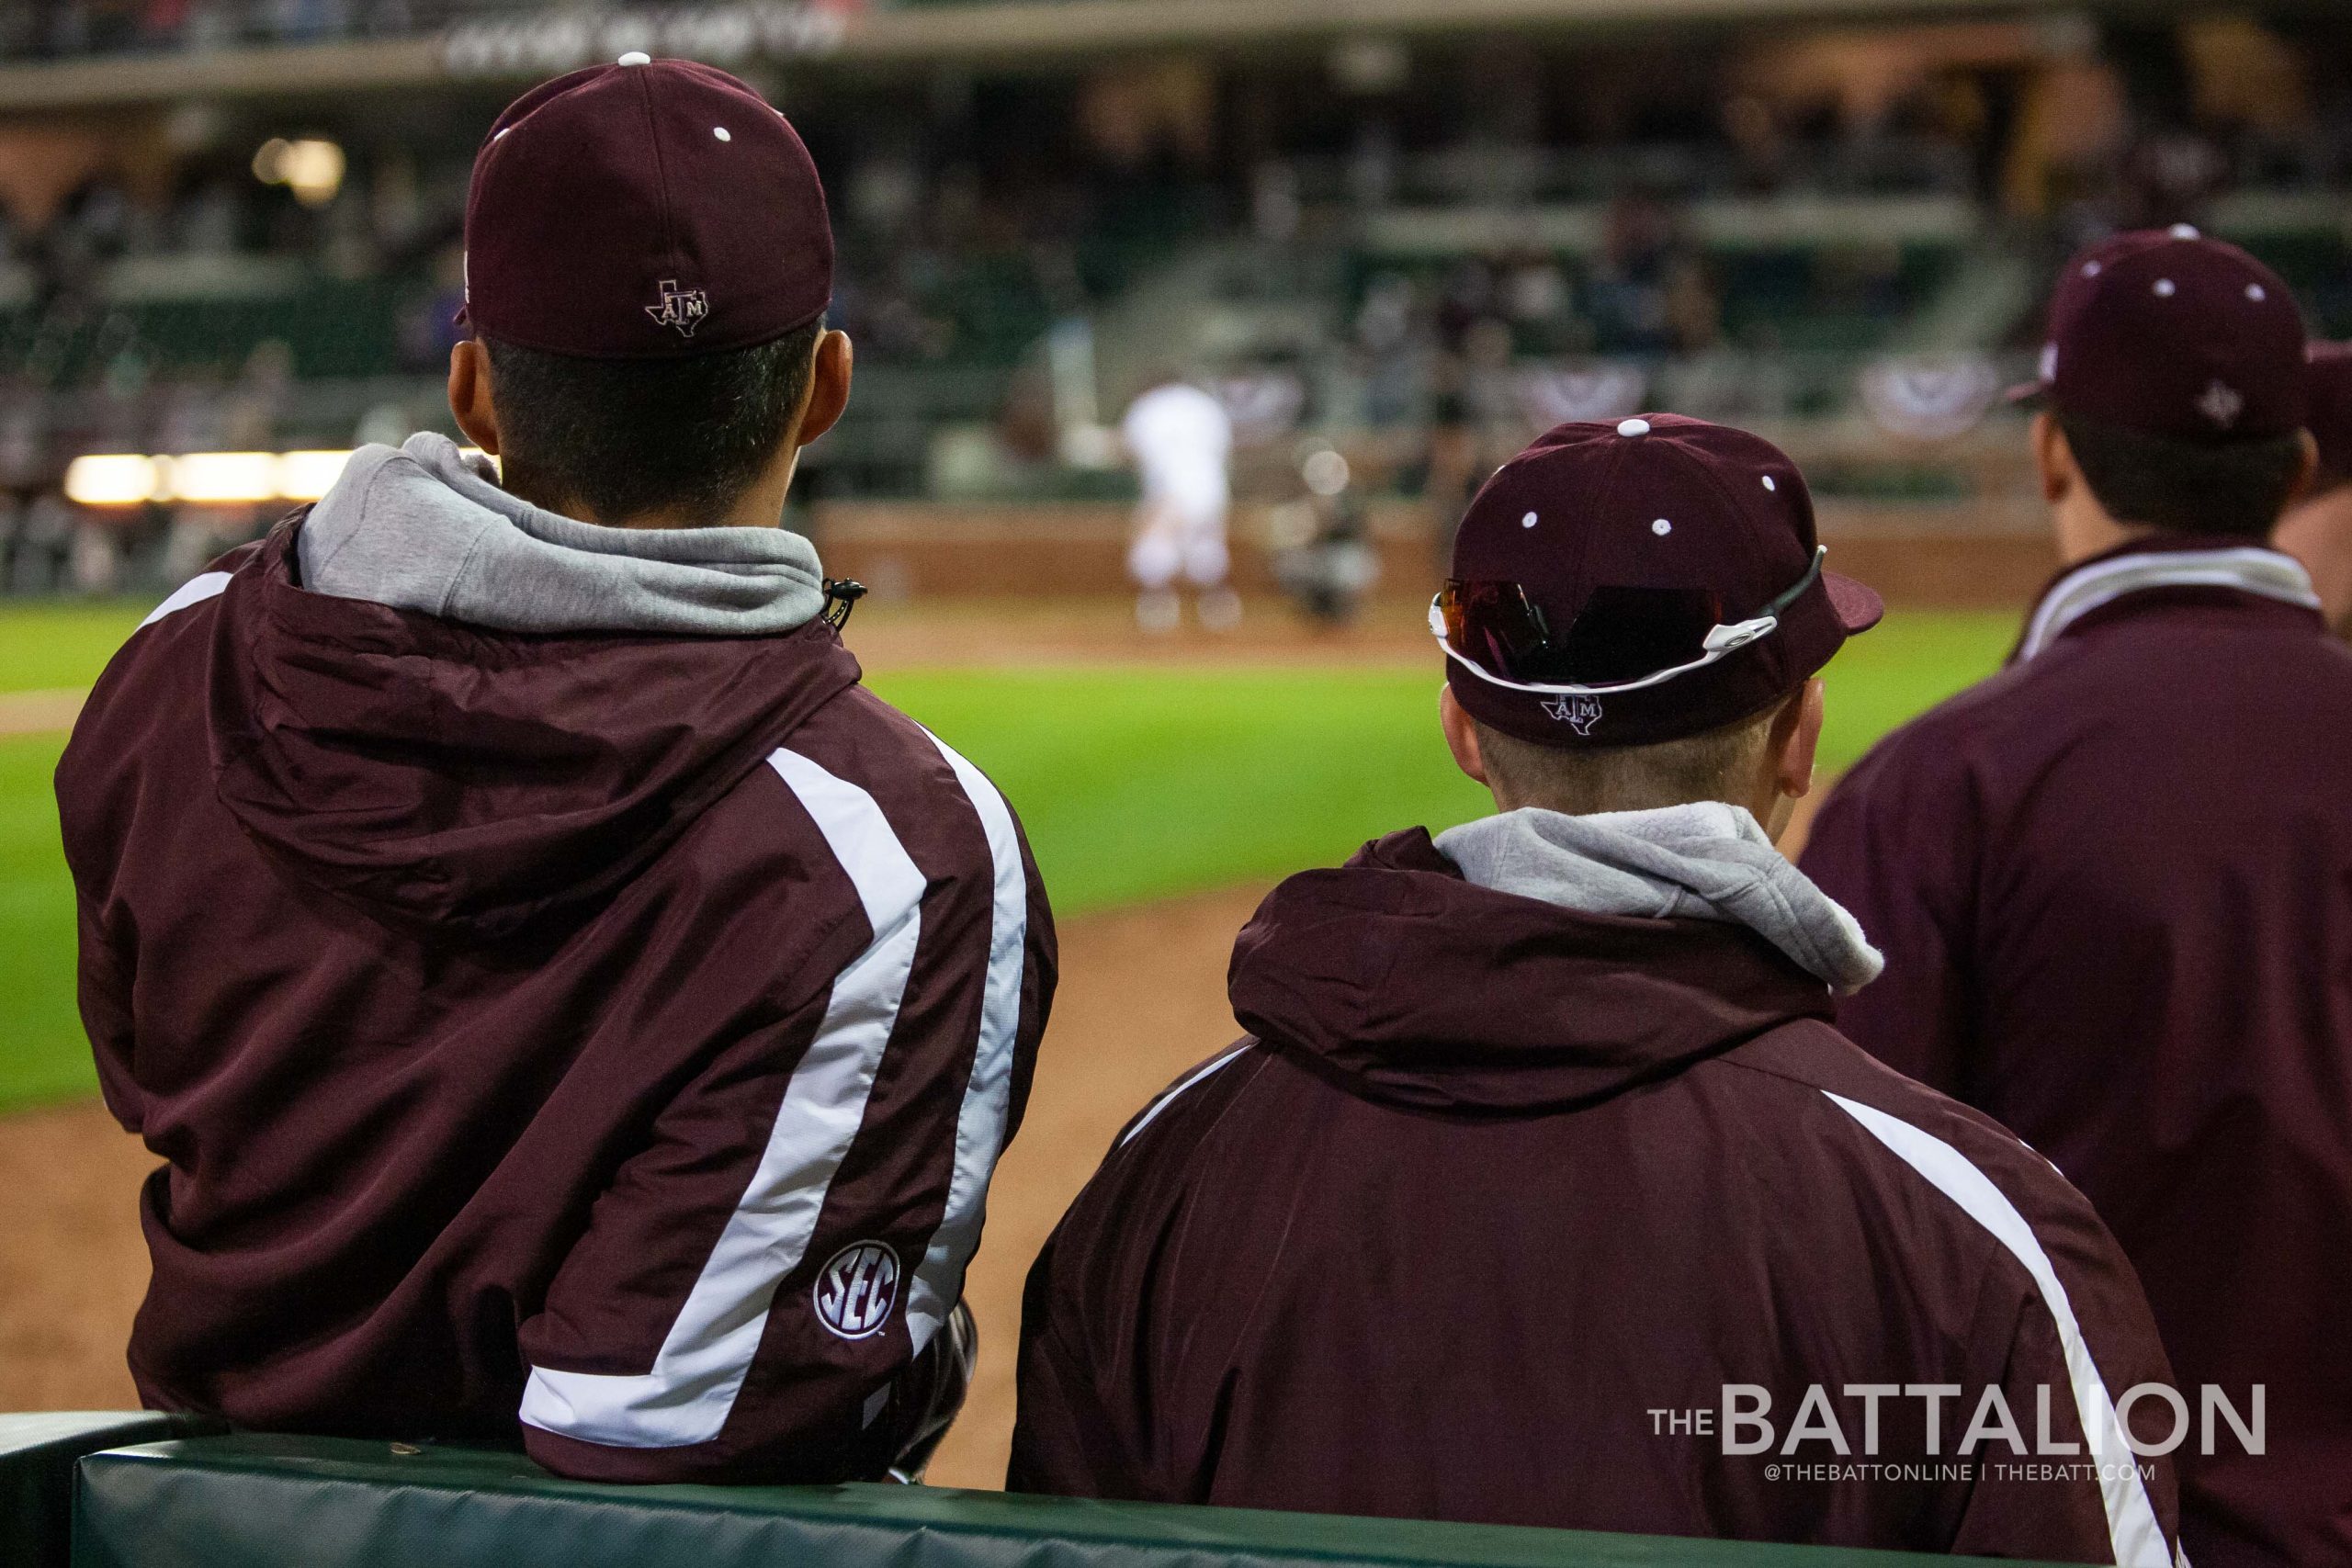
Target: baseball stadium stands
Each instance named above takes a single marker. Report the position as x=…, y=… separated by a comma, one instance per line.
x=1427, y=227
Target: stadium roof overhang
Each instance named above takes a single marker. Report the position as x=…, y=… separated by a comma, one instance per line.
x=1026, y=31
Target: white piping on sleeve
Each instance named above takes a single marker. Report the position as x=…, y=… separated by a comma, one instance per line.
x=2131, y=1527
x=988, y=1096
x=687, y=1396
x=194, y=591
x=1165, y=1100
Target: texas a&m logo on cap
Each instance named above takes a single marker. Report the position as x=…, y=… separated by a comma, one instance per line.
x=2221, y=404
x=1579, y=713
x=680, y=308
x=857, y=1289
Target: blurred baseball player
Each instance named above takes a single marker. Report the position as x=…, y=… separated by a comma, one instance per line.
x=2111, y=882
x=1541, y=1140
x=2317, y=530
x=573, y=1010
x=1181, y=440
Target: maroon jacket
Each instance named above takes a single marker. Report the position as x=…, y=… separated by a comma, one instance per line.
x=2114, y=888
x=1497, y=1193
x=618, y=1030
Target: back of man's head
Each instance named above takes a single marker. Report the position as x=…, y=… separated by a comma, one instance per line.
x=648, y=262
x=625, y=437
x=2233, y=488
x=1634, y=617
x=2173, y=367
x=1723, y=764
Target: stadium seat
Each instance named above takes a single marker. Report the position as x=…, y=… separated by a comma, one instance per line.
x=277, y=1502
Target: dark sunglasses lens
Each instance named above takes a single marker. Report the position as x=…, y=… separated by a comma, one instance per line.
x=1494, y=623
x=1623, y=634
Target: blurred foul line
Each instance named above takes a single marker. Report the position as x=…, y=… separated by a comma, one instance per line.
x=39, y=713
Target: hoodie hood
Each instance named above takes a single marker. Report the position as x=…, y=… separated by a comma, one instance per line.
x=1415, y=987
x=450, y=778
x=1708, y=860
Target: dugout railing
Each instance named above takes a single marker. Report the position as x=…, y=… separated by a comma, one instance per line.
x=145, y=1491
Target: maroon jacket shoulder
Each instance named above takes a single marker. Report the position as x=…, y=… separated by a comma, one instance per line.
x=2108, y=886
x=517, y=1012
x=1496, y=1195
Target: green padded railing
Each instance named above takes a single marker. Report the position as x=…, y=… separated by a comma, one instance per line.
x=37, y=1456
x=270, y=1502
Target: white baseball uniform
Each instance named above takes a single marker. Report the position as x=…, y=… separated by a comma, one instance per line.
x=1182, y=443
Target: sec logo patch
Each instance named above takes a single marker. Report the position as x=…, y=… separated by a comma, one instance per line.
x=856, y=1290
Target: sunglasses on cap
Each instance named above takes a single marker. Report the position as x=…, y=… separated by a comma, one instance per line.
x=1623, y=639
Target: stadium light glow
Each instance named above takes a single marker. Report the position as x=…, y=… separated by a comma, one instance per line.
x=223, y=478
x=311, y=168
x=112, y=478
x=209, y=479
x=307, y=476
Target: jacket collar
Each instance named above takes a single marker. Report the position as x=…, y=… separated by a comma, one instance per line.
x=2147, y=564
x=1706, y=860
x=1406, y=984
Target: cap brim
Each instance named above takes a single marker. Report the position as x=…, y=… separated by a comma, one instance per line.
x=1858, y=605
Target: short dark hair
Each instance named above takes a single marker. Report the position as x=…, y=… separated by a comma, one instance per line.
x=2237, y=488
x=1582, y=781
x=624, y=438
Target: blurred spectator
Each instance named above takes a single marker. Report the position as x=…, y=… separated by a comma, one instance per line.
x=94, y=562
x=1642, y=252
x=192, y=417
x=1760, y=155
x=24, y=435
x=1694, y=308
x=259, y=397
x=2170, y=177
x=38, y=563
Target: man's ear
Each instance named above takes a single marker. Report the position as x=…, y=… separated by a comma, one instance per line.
x=1796, y=740
x=2053, y=460
x=469, y=395
x=1461, y=736
x=2306, y=473
x=829, y=379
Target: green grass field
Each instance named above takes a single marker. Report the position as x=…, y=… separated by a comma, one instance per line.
x=1133, y=784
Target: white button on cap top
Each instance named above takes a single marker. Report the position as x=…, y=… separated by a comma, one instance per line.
x=2164, y=288
x=1633, y=427
x=1528, y=521
x=2183, y=232
x=1661, y=527
x=636, y=57
x=720, y=131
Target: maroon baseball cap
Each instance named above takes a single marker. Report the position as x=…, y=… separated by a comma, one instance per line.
x=2166, y=332
x=1630, y=584
x=651, y=210
x=2328, y=385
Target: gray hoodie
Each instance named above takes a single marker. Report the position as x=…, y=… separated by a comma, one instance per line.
x=1708, y=861
x=419, y=528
